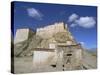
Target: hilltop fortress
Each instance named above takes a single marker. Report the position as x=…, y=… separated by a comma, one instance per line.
x=50, y=30
x=44, y=32
x=49, y=45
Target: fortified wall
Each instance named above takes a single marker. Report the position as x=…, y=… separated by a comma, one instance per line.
x=50, y=30
x=23, y=35
x=45, y=32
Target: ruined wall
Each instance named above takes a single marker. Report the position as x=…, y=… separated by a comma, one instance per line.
x=50, y=30
x=72, y=56
x=22, y=35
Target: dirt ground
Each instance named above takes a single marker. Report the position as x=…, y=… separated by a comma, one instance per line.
x=25, y=65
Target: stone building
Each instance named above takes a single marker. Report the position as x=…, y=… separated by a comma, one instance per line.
x=52, y=46
x=62, y=56
x=50, y=30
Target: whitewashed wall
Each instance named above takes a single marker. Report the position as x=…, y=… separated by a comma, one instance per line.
x=41, y=58
x=21, y=35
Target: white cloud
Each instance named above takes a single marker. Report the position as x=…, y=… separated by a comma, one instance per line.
x=86, y=22
x=73, y=17
x=34, y=13
x=73, y=25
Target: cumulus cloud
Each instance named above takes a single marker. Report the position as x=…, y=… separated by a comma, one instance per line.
x=85, y=22
x=34, y=13
x=72, y=17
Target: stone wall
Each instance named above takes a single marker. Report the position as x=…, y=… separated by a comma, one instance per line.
x=72, y=56
x=22, y=35
x=50, y=30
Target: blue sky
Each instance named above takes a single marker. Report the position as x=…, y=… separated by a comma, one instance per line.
x=81, y=20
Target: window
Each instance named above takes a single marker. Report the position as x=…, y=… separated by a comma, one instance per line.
x=69, y=55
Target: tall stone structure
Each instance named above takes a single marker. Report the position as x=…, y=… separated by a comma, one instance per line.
x=54, y=42
x=52, y=48
x=50, y=30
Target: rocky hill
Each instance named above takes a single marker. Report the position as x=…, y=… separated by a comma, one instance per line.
x=41, y=38
x=26, y=41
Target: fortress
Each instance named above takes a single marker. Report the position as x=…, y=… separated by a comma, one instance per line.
x=44, y=32
x=50, y=30
x=49, y=45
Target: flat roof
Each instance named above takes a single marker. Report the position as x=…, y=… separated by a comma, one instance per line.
x=68, y=45
x=44, y=49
